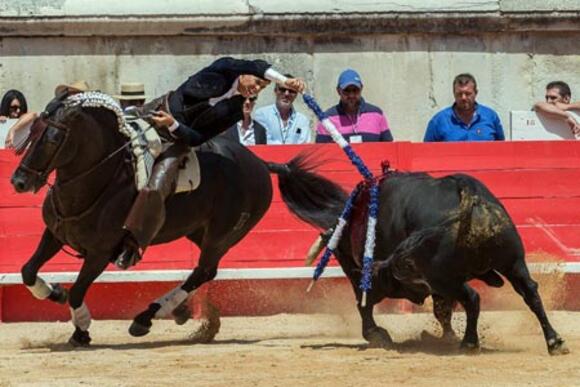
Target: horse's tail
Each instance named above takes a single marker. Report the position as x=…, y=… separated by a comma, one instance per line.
x=311, y=197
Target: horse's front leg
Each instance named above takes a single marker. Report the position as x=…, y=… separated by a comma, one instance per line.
x=47, y=248
x=92, y=267
x=172, y=303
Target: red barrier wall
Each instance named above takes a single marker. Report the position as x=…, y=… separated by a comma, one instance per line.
x=539, y=183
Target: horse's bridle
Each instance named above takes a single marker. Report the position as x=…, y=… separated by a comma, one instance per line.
x=43, y=175
x=41, y=124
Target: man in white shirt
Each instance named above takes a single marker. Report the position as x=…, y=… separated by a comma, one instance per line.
x=284, y=125
x=247, y=131
x=558, y=105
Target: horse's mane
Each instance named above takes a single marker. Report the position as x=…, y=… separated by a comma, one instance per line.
x=63, y=108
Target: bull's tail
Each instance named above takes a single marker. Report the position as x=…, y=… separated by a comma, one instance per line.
x=311, y=197
x=471, y=197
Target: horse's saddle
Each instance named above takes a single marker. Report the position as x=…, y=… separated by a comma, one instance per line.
x=150, y=145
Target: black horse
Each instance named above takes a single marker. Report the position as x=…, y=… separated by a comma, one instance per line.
x=93, y=192
x=433, y=235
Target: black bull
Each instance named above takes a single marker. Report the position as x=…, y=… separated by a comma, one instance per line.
x=433, y=235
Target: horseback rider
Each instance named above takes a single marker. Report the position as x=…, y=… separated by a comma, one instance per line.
x=205, y=105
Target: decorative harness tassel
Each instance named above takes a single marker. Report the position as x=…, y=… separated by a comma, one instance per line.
x=369, y=182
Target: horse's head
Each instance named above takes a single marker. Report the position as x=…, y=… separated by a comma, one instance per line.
x=43, y=151
x=67, y=138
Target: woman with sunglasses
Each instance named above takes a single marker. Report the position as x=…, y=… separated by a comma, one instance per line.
x=13, y=105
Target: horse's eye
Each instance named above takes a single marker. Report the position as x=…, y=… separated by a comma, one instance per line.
x=54, y=135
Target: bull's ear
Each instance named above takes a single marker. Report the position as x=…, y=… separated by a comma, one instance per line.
x=378, y=266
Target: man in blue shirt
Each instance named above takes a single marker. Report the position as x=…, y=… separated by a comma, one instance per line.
x=465, y=120
x=284, y=125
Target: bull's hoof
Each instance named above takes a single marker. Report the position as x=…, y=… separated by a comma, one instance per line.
x=138, y=329
x=182, y=313
x=80, y=338
x=470, y=348
x=557, y=346
x=448, y=337
x=378, y=338
x=58, y=294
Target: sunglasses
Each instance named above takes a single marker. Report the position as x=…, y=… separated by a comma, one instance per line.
x=253, y=99
x=283, y=90
x=13, y=108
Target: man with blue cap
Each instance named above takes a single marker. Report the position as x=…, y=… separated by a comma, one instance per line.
x=357, y=120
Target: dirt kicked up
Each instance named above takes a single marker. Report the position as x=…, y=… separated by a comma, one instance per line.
x=291, y=350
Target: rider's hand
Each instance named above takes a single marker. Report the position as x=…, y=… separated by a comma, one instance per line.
x=162, y=118
x=3, y=119
x=295, y=84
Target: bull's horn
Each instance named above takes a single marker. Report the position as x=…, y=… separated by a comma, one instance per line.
x=314, y=251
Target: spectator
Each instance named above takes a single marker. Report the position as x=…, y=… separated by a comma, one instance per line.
x=247, y=131
x=132, y=94
x=25, y=121
x=355, y=119
x=465, y=120
x=13, y=105
x=284, y=124
x=558, y=105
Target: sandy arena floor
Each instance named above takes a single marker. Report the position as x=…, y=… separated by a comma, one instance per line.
x=290, y=350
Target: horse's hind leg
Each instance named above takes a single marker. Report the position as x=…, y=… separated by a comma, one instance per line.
x=520, y=278
x=170, y=304
x=47, y=248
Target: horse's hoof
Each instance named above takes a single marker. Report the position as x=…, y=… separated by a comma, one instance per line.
x=137, y=329
x=557, y=346
x=378, y=338
x=181, y=314
x=80, y=338
x=58, y=294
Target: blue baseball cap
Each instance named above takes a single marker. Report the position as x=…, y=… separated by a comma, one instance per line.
x=349, y=77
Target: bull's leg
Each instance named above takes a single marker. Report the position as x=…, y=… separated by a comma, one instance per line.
x=522, y=282
x=443, y=311
x=47, y=248
x=92, y=267
x=377, y=336
x=173, y=302
x=469, y=299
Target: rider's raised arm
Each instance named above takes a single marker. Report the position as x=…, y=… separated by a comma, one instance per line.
x=216, y=79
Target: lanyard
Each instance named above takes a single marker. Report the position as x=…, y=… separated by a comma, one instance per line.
x=354, y=121
x=285, y=129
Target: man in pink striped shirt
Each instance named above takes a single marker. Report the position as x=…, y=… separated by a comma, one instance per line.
x=357, y=120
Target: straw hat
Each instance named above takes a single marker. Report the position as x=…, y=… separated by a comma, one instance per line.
x=131, y=91
x=81, y=86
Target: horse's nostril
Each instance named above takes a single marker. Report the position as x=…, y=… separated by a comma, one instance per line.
x=18, y=184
